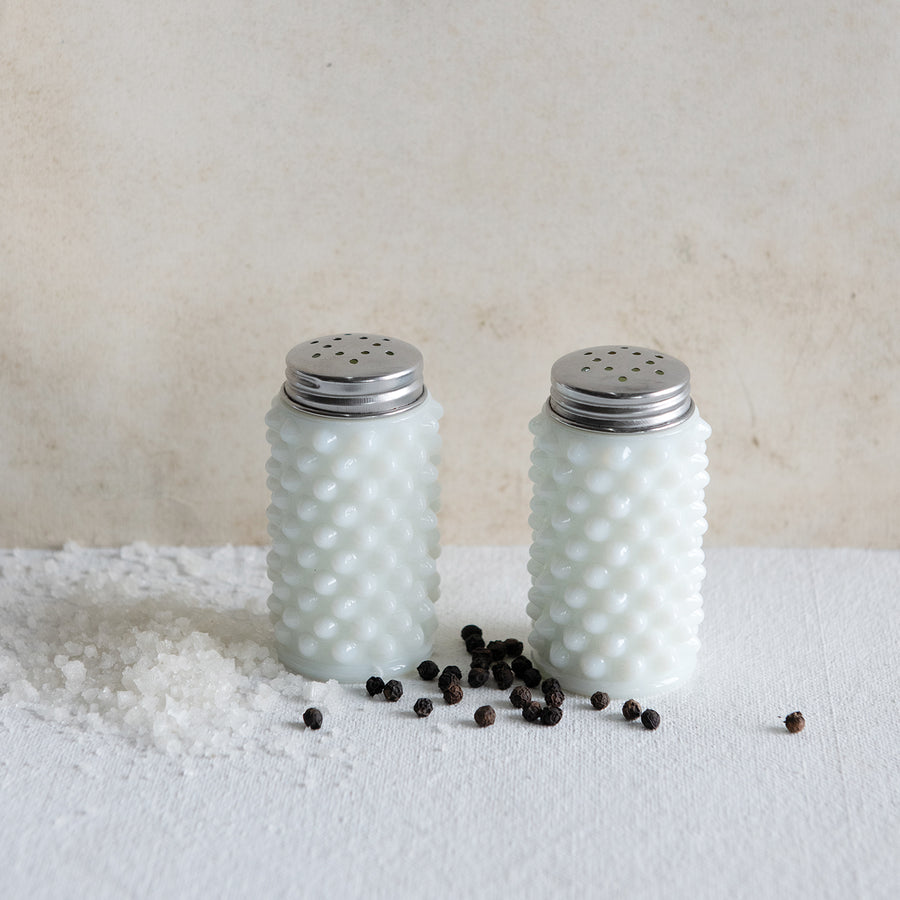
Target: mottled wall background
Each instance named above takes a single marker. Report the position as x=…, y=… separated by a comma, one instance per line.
x=188, y=189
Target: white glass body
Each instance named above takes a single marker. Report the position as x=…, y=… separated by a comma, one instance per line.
x=617, y=560
x=353, y=522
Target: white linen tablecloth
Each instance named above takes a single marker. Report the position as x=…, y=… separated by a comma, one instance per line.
x=719, y=802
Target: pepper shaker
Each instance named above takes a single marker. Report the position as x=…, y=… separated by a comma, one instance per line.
x=353, y=475
x=619, y=471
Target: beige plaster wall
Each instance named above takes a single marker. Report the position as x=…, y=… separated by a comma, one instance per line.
x=188, y=189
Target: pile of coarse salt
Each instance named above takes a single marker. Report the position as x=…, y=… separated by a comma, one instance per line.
x=170, y=647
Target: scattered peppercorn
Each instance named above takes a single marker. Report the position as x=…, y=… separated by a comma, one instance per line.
x=481, y=659
x=520, y=696
x=600, y=700
x=650, y=719
x=551, y=715
x=474, y=642
x=446, y=679
x=454, y=693
x=374, y=685
x=428, y=670
x=631, y=709
x=520, y=665
x=468, y=631
x=795, y=722
x=454, y=670
x=531, y=677
x=532, y=712
x=393, y=691
x=555, y=698
x=503, y=675
x=550, y=684
x=485, y=716
x=312, y=718
x=477, y=677
x=514, y=647
x=498, y=649
x=423, y=707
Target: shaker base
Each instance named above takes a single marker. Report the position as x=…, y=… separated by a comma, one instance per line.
x=616, y=689
x=346, y=674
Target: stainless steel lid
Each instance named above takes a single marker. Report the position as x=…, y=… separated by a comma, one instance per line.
x=354, y=374
x=620, y=389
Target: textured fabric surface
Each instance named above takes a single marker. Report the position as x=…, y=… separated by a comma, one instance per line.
x=720, y=801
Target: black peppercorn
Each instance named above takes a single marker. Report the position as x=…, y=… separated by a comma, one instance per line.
x=312, y=718
x=503, y=675
x=454, y=670
x=481, y=659
x=520, y=665
x=474, y=642
x=454, y=693
x=428, y=670
x=393, y=691
x=795, y=722
x=498, y=649
x=550, y=684
x=468, y=631
x=520, y=697
x=446, y=679
x=514, y=647
x=531, y=677
x=555, y=698
x=374, y=685
x=477, y=677
x=485, y=716
x=423, y=707
x=650, y=719
x=532, y=712
x=631, y=709
x=600, y=700
x=550, y=715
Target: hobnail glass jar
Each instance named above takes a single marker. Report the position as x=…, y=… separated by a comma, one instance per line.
x=619, y=472
x=353, y=475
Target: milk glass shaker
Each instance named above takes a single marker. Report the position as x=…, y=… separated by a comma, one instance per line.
x=353, y=476
x=619, y=471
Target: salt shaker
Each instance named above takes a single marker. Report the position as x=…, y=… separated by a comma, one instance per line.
x=354, y=481
x=619, y=471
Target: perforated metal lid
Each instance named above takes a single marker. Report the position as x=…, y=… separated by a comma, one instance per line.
x=354, y=374
x=620, y=389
